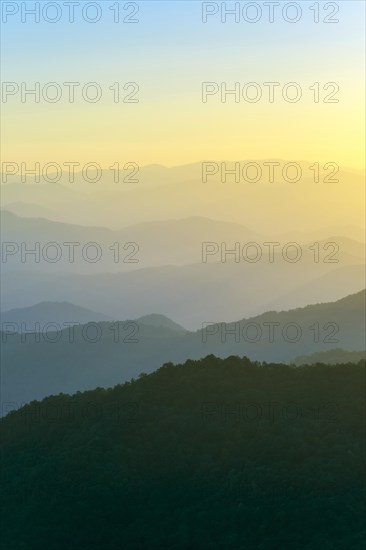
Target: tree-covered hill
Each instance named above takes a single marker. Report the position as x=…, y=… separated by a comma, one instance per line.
x=212, y=454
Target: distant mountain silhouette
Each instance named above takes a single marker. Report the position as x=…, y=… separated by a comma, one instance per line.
x=171, y=242
x=189, y=294
x=65, y=313
x=161, y=321
x=89, y=356
x=55, y=312
x=187, y=195
x=26, y=210
x=332, y=357
x=167, y=270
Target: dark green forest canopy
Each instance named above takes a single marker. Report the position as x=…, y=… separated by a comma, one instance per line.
x=210, y=454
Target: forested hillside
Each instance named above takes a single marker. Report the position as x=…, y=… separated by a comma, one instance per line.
x=212, y=454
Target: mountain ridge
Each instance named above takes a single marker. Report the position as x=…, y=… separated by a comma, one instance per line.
x=67, y=361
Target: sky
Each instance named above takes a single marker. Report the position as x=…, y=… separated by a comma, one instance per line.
x=169, y=53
